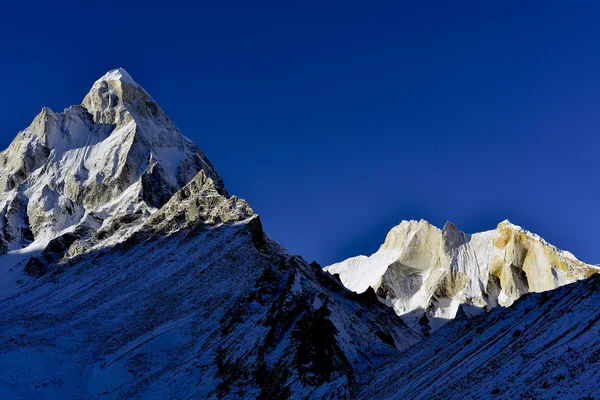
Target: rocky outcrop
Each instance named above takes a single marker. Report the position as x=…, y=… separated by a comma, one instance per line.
x=200, y=202
x=426, y=273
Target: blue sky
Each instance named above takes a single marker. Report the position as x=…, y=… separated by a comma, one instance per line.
x=337, y=121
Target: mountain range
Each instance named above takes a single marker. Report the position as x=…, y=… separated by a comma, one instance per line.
x=127, y=270
x=428, y=275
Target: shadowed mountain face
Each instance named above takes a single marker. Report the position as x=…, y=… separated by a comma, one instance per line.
x=545, y=346
x=126, y=270
x=429, y=275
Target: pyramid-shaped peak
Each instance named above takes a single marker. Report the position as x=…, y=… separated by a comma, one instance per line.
x=449, y=226
x=116, y=95
x=118, y=74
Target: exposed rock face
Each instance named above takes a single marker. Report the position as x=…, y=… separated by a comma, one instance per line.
x=115, y=154
x=426, y=274
x=129, y=272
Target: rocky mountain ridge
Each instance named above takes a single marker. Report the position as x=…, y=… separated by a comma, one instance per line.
x=429, y=275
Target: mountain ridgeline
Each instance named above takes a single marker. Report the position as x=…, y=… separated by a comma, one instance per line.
x=430, y=275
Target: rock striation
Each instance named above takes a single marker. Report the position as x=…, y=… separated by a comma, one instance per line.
x=545, y=346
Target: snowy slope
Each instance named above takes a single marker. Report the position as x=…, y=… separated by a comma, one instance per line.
x=426, y=273
x=129, y=272
x=545, y=346
x=191, y=308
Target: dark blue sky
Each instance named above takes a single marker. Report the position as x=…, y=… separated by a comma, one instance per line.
x=337, y=121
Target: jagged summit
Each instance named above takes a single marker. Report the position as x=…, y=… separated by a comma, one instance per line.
x=118, y=74
x=426, y=274
x=115, y=154
x=116, y=97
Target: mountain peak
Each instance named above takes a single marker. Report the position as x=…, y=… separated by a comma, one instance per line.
x=426, y=273
x=115, y=98
x=118, y=74
x=114, y=154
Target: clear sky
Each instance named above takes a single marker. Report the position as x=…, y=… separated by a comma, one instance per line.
x=337, y=121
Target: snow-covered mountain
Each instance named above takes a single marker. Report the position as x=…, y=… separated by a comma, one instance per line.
x=116, y=154
x=428, y=274
x=545, y=346
x=127, y=271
